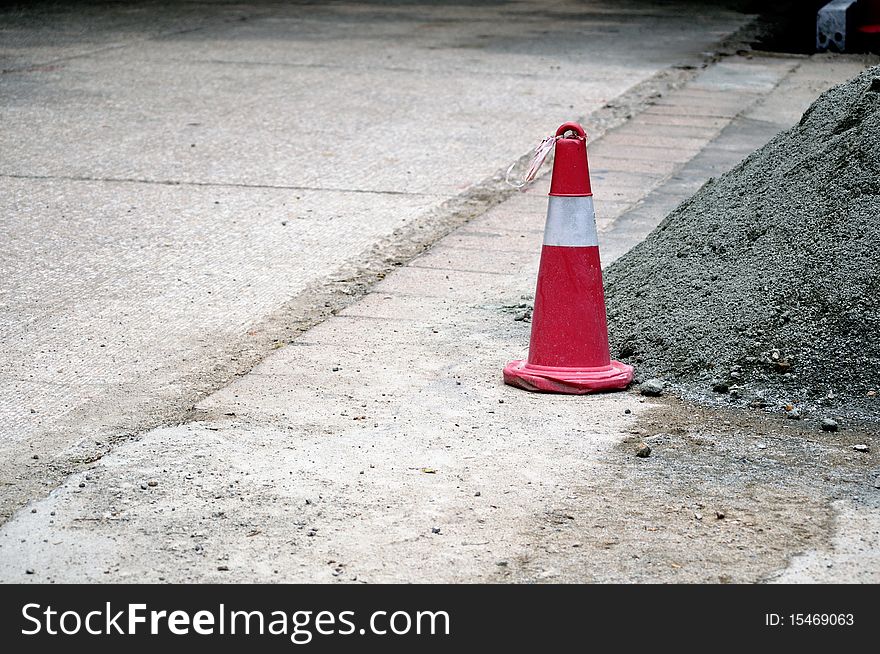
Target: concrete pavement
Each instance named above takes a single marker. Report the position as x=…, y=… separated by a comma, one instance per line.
x=381, y=445
x=183, y=186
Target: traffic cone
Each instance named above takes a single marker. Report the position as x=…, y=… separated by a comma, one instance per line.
x=568, y=352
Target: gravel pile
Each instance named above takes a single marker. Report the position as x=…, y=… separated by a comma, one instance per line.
x=763, y=289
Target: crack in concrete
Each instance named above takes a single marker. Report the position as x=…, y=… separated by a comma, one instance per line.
x=173, y=182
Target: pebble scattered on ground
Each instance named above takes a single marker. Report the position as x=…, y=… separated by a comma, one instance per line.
x=651, y=387
x=829, y=425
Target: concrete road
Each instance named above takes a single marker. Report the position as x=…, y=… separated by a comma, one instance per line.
x=175, y=177
x=381, y=445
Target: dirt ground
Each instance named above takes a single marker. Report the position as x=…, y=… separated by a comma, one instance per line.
x=726, y=496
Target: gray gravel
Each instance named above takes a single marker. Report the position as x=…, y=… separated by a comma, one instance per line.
x=767, y=281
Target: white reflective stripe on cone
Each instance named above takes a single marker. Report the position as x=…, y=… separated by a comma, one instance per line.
x=571, y=222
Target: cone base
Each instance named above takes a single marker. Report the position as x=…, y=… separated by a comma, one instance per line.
x=573, y=381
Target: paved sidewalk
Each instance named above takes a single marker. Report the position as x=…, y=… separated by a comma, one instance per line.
x=382, y=446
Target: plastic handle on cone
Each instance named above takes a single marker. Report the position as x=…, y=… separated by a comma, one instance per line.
x=574, y=127
x=571, y=172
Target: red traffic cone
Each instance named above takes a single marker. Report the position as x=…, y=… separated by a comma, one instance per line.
x=568, y=352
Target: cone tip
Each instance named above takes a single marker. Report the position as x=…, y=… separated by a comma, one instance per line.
x=571, y=126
